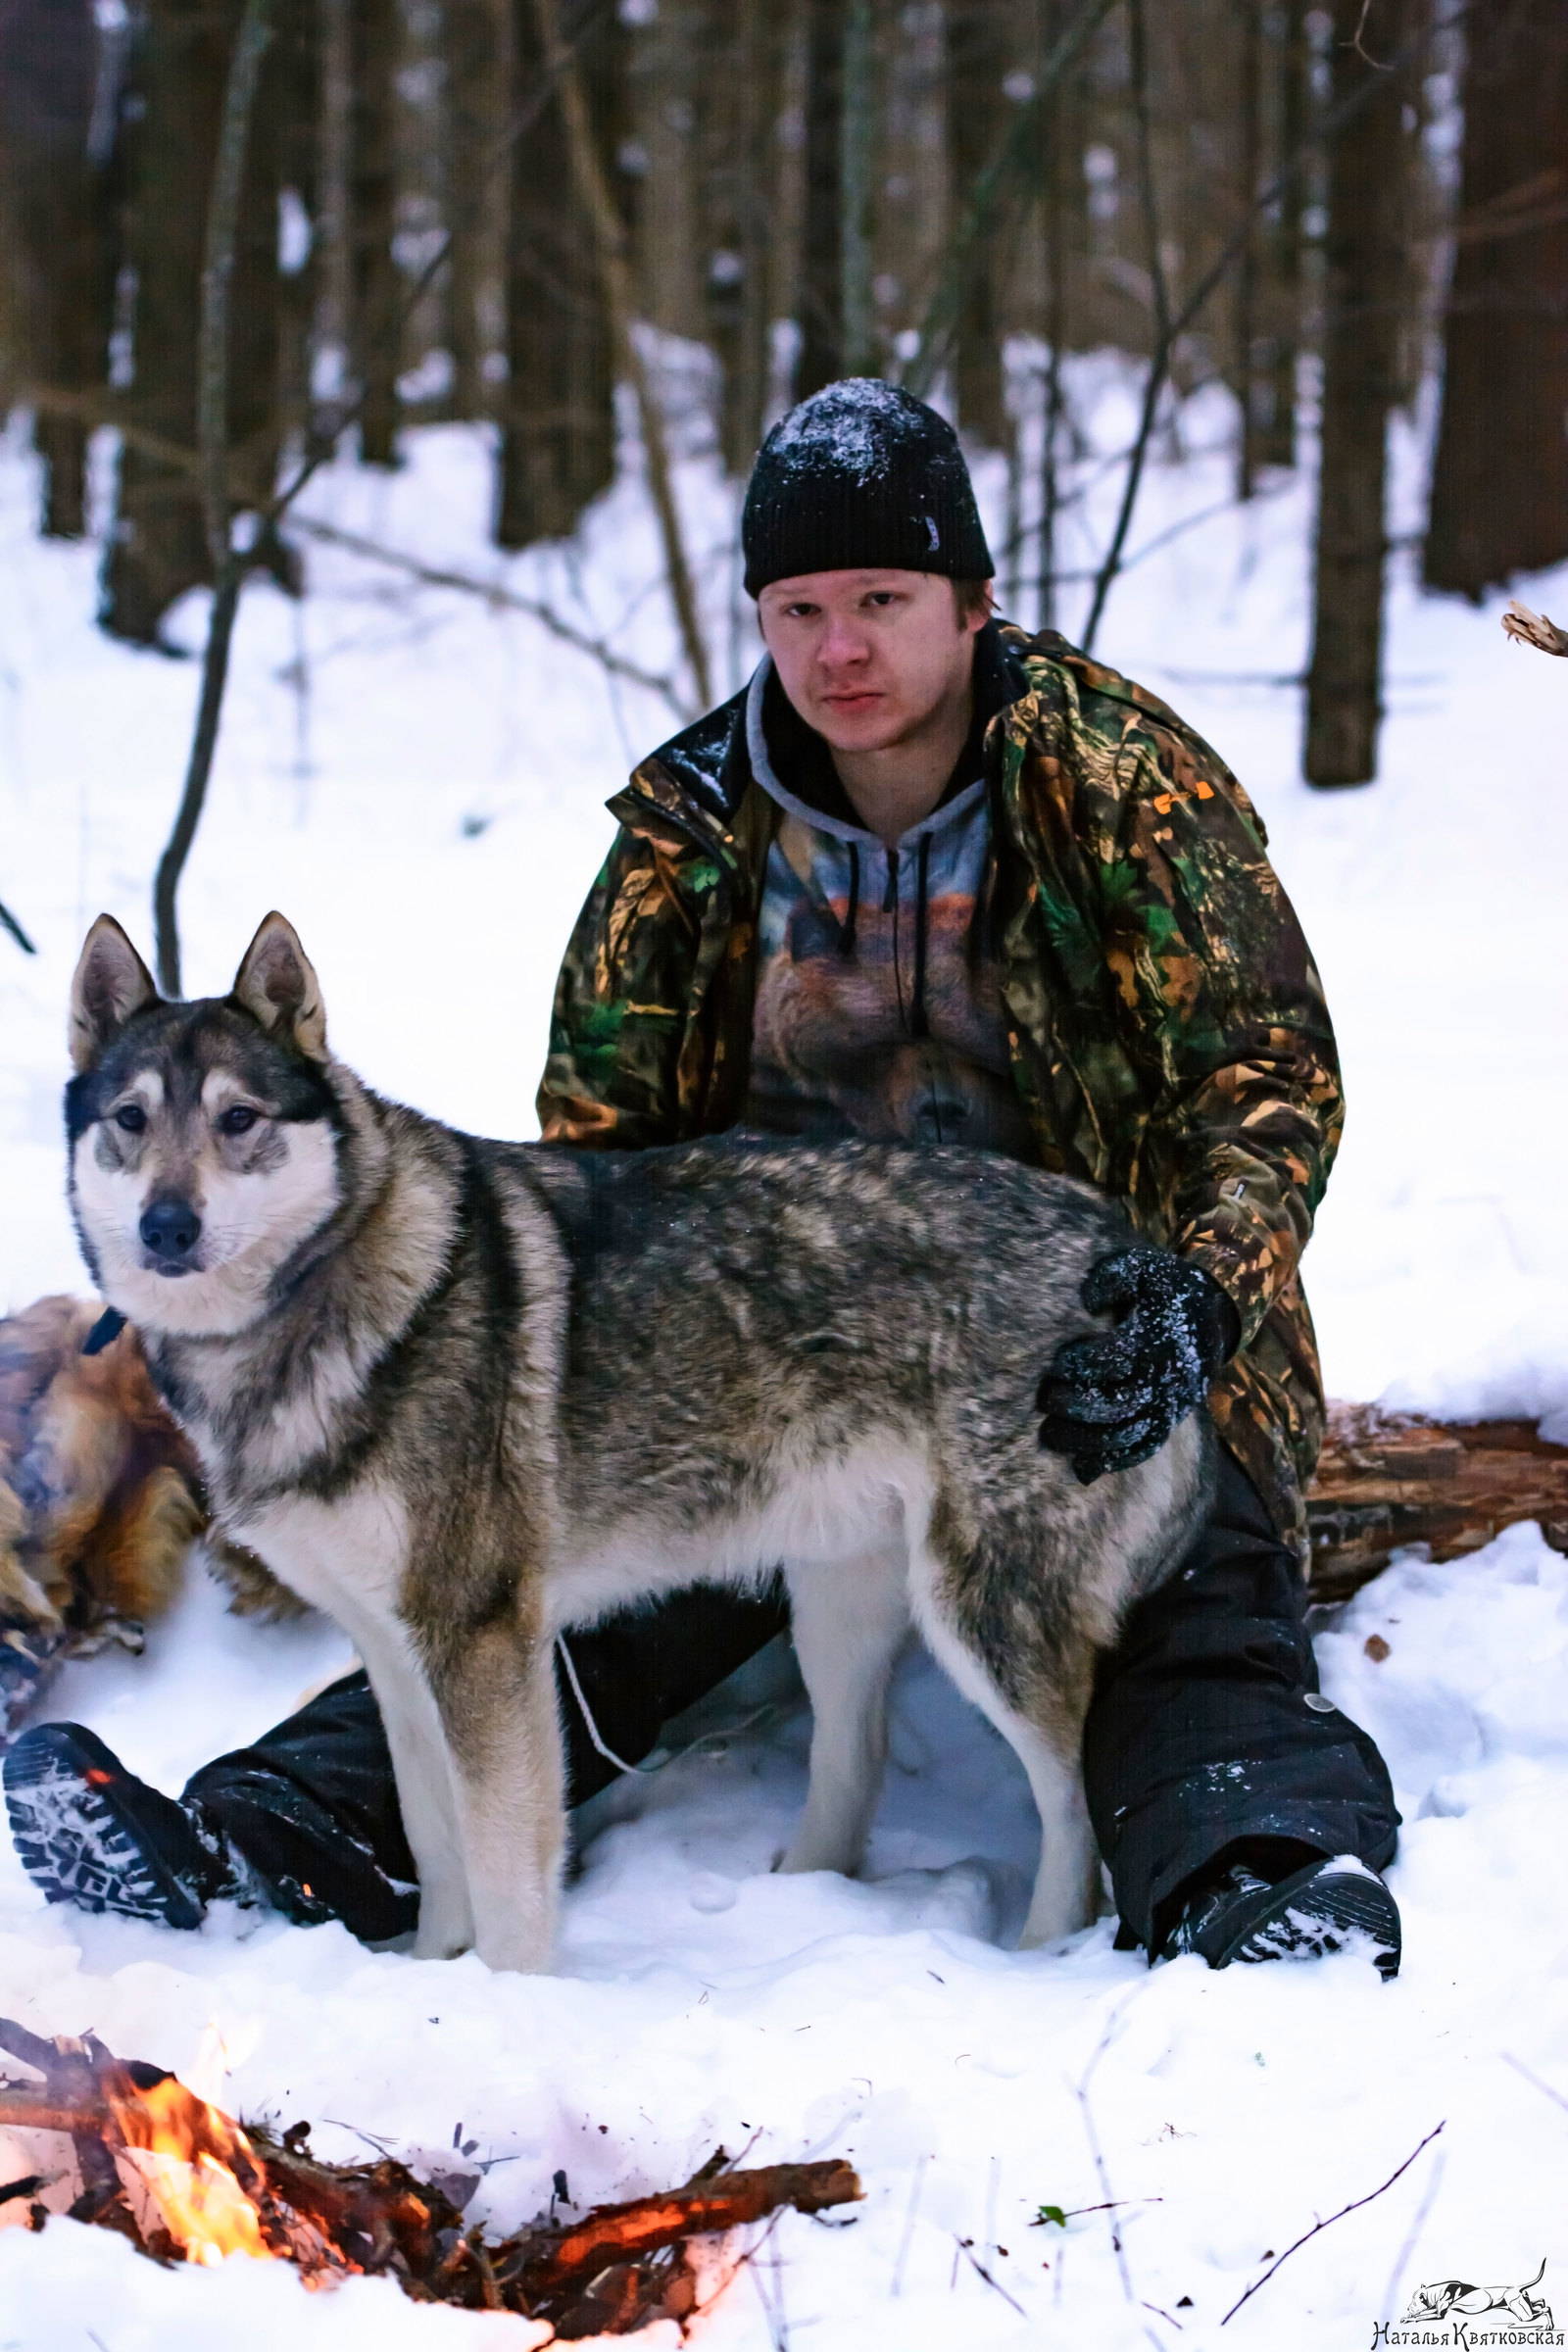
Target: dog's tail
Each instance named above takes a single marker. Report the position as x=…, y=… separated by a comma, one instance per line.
x=1539, y=2274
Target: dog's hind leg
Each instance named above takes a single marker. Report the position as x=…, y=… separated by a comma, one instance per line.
x=1066, y=1893
x=849, y=1618
x=497, y=1690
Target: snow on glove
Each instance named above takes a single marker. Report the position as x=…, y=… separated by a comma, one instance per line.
x=1111, y=1401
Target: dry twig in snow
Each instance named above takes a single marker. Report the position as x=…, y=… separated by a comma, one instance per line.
x=1307, y=2236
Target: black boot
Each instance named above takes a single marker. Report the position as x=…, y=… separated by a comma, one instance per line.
x=1328, y=1903
x=89, y=1833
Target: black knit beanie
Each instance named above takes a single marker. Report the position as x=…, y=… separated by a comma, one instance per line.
x=861, y=477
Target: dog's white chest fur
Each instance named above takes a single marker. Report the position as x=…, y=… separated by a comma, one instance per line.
x=347, y=1557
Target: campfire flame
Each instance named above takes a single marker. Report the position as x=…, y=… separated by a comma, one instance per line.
x=183, y=2154
x=164, y=2167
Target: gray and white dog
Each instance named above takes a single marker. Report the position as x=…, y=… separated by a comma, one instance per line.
x=467, y=1394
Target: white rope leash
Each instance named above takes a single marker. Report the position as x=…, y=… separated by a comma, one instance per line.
x=728, y=1730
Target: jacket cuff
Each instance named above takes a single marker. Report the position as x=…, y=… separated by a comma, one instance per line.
x=1250, y=1258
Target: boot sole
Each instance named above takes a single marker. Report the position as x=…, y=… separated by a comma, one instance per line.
x=1322, y=1909
x=73, y=1822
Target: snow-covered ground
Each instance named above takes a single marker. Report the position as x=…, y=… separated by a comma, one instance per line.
x=417, y=779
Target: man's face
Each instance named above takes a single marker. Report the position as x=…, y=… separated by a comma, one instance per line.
x=868, y=657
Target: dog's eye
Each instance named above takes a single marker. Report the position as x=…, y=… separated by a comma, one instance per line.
x=131, y=1117
x=237, y=1119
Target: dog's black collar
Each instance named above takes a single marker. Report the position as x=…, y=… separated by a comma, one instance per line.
x=109, y=1326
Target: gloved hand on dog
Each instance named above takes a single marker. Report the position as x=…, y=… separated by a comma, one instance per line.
x=1111, y=1401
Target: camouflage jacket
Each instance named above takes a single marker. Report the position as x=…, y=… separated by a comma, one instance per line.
x=1166, y=1023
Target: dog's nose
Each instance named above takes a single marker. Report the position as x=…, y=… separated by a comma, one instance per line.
x=170, y=1229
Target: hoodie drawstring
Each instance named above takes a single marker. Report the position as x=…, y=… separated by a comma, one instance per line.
x=853, y=911
x=918, y=1024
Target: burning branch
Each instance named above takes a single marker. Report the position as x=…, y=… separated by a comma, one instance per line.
x=185, y=2182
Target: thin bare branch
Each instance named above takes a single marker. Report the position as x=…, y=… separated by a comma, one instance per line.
x=1412, y=2237
x=1161, y=298
x=1327, y=129
x=254, y=40
x=8, y=922
x=501, y=600
x=966, y=2250
x=228, y=565
x=1111, y=2201
x=1519, y=2068
x=1356, y=43
x=1317, y=2228
x=1011, y=162
x=615, y=265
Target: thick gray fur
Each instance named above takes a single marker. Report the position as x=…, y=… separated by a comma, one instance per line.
x=465, y=1394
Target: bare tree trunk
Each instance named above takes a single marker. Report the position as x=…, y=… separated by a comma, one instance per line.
x=158, y=548
x=741, y=173
x=376, y=313
x=612, y=248
x=471, y=39
x=1499, y=486
x=822, y=300
x=54, y=229
x=856, y=149
x=1249, y=123
x=557, y=447
x=1365, y=278
x=1292, y=67
x=976, y=114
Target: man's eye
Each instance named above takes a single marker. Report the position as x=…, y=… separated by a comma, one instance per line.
x=131, y=1117
x=237, y=1119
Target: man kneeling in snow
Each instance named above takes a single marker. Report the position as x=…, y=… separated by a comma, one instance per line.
x=927, y=878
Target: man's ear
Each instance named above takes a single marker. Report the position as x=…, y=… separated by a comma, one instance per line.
x=277, y=986
x=110, y=983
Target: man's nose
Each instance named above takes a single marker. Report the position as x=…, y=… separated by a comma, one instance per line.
x=842, y=642
x=170, y=1230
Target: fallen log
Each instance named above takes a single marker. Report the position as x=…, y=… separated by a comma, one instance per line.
x=1387, y=1480
x=184, y=2182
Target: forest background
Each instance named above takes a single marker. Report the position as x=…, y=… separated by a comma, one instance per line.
x=248, y=233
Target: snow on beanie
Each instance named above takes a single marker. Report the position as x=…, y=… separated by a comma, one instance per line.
x=861, y=477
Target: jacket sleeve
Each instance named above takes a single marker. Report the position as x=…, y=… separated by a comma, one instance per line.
x=616, y=1030
x=1221, y=1008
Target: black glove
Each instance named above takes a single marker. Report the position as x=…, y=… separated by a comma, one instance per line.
x=1111, y=1401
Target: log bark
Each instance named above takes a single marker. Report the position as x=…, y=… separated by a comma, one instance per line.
x=1366, y=276
x=1500, y=483
x=1385, y=1480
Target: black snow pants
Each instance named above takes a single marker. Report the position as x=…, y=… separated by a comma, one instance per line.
x=1202, y=1737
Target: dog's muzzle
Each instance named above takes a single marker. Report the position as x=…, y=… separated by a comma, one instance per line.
x=170, y=1232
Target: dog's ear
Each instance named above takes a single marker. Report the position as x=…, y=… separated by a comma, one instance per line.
x=112, y=982
x=277, y=985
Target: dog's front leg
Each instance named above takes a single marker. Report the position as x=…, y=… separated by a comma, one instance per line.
x=427, y=1787
x=849, y=1619
x=497, y=1692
